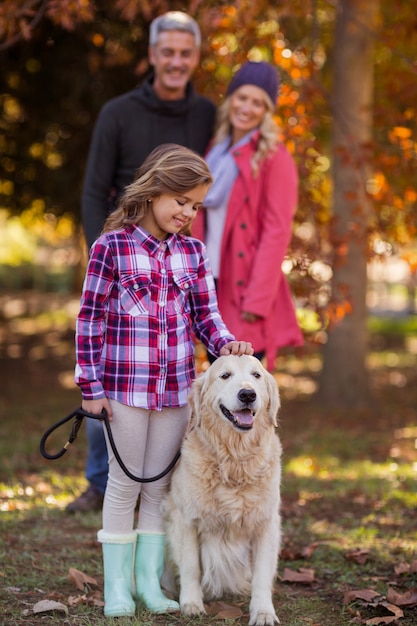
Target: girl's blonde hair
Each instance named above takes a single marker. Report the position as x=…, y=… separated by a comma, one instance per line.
x=169, y=169
x=268, y=130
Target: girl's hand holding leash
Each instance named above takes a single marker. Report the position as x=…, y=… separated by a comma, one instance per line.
x=96, y=406
x=237, y=347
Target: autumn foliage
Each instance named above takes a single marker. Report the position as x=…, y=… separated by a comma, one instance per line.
x=63, y=59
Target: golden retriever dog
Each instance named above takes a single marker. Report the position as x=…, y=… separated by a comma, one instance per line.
x=222, y=512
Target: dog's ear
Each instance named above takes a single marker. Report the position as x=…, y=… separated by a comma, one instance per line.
x=194, y=399
x=273, y=395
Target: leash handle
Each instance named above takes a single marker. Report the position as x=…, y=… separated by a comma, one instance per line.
x=78, y=416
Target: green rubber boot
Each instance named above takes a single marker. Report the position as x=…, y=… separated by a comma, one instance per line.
x=118, y=570
x=149, y=565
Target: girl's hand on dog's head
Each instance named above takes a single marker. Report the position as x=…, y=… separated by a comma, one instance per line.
x=237, y=347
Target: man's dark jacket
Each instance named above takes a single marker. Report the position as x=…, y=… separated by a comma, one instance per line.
x=128, y=128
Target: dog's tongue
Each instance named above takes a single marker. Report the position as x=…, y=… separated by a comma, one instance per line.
x=244, y=417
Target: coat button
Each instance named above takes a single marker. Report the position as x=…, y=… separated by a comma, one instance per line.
x=239, y=283
x=241, y=255
x=243, y=225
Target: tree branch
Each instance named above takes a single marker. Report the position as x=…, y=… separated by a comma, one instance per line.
x=19, y=16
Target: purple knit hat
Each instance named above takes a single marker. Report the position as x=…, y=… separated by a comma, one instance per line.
x=258, y=73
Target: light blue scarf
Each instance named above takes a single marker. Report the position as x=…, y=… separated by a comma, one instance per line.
x=224, y=170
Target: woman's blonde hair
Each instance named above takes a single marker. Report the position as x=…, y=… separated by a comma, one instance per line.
x=169, y=169
x=268, y=130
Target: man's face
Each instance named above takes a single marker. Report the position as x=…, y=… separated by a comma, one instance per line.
x=174, y=58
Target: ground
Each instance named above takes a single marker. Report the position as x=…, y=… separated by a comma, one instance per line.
x=349, y=506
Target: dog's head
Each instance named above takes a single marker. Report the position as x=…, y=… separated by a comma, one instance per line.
x=236, y=389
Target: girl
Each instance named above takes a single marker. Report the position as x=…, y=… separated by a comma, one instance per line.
x=148, y=287
x=249, y=211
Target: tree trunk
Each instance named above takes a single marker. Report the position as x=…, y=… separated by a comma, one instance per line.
x=344, y=379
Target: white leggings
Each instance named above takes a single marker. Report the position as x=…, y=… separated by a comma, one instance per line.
x=146, y=441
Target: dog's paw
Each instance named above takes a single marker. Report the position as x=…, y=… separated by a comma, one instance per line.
x=191, y=608
x=263, y=618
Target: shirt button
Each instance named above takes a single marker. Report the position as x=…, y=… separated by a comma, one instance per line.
x=162, y=303
x=186, y=285
x=163, y=270
x=135, y=286
x=163, y=370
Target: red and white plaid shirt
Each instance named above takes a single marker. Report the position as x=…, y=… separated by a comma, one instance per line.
x=142, y=299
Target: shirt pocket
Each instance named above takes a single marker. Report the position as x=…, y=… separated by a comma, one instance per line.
x=135, y=293
x=183, y=284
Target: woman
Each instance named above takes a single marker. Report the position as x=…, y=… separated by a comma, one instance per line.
x=248, y=214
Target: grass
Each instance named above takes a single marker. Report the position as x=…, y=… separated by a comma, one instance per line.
x=349, y=502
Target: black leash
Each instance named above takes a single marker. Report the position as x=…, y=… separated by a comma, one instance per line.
x=78, y=416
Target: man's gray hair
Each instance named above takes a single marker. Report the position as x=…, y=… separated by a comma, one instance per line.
x=174, y=20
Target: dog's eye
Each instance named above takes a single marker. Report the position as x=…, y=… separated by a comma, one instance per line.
x=256, y=375
x=225, y=376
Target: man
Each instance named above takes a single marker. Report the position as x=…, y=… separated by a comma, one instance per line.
x=163, y=109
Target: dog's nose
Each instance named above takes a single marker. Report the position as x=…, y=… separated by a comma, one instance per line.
x=247, y=395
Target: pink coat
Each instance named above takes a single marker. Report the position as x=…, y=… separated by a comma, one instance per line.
x=256, y=236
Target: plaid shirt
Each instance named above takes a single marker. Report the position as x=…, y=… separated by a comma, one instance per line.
x=142, y=299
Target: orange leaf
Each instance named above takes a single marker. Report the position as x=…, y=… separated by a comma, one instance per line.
x=402, y=132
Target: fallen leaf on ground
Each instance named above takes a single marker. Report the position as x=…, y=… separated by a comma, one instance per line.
x=358, y=556
x=222, y=610
x=43, y=606
x=232, y=613
x=406, y=568
x=408, y=598
x=91, y=599
x=374, y=600
x=368, y=595
x=79, y=579
x=308, y=551
x=397, y=613
x=290, y=554
x=303, y=575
